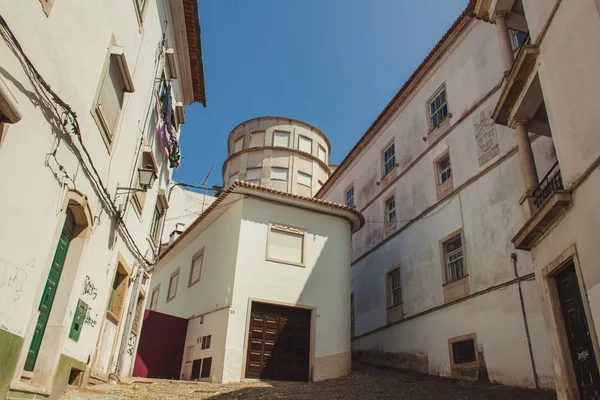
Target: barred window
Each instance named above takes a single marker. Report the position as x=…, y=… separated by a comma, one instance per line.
x=464, y=352
x=454, y=259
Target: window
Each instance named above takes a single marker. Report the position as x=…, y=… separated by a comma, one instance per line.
x=464, y=352
x=238, y=145
x=155, y=226
x=118, y=292
x=285, y=244
x=257, y=139
x=305, y=144
x=438, y=108
x=453, y=252
x=304, y=179
x=444, y=169
x=206, y=342
x=154, y=298
x=349, y=194
x=173, y=281
x=322, y=154
x=279, y=174
x=109, y=101
x=518, y=39
x=390, y=211
x=389, y=159
x=281, y=139
x=253, y=175
x=393, y=289
x=196, y=268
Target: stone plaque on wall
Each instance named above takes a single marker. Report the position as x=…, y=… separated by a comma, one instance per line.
x=485, y=136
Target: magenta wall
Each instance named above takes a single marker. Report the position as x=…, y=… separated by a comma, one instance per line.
x=160, y=351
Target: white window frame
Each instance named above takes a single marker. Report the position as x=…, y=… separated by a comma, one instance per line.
x=441, y=108
x=253, y=180
x=289, y=230
x=444, y=169
x=451, y=258
x=388, y=162
x=254, y=135
x=305, y=176
x=349, y=201
x=307, y=140
x=280, y=169
x=390, y=214
x=392, y=289
x=281, y=134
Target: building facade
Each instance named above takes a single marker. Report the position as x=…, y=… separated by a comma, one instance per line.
x=92, y=97
x=437, y=285
x=548, y=89
x=280, y=153
x=263, y=279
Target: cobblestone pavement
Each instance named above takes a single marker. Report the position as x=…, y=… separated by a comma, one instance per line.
x=365, y=382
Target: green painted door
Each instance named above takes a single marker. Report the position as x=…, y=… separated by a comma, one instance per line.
x=50, y=291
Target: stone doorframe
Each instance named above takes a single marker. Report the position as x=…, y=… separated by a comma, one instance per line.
x=50, y=351
x=564, y=375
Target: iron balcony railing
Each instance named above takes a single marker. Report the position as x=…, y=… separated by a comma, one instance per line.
x=548, y=185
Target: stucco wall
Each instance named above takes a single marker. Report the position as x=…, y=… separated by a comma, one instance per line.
x=322, y=284
x=184, y=207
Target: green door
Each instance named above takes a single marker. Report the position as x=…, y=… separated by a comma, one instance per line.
x=50, y=290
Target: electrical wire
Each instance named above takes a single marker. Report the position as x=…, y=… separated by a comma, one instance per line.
x=64, y=116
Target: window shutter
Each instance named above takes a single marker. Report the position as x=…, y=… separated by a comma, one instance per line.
x=305, y=144
x=238, y=145
x=281, y=139
x=304, y=179
x=286, y=246
x=279, y=173
x=110, y=99
x=257, y=139
x=253, y=174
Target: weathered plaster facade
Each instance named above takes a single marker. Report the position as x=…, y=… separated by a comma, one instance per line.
x=62, y=210
x=237, y=271
x=295, y=162
x=478, y=203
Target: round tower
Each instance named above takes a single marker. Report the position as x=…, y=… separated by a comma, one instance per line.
x=280, y=153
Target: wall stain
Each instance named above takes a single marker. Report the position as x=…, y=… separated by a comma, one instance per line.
x=12, y=279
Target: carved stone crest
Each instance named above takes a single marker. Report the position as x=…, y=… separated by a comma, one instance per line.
x=485, y=136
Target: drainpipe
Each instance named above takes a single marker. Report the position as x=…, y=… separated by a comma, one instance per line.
x=513, y=257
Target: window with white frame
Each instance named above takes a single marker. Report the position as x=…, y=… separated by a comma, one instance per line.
x=305, y=144
x=238, y=145
x=390, y=210
x=173, y=281
x=393, y=288
x=157, y=219
x=304, y=179
x=517, y=38
x=253, y=175
x=389, y=159
x=454, y=259
x=281, y=139
x=154, y=298
x=322, y=154
x=279, y=174
x=438, y=108
x=349, y=195
x=257, y=139
x=285, y=244
x=444, y=169
x=196, y=268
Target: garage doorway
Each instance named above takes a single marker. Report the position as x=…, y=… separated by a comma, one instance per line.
x=278, y=343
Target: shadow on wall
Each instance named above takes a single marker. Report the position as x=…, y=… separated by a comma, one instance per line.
x=160, y=350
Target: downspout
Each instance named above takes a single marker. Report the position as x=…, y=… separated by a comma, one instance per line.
x=513, y=258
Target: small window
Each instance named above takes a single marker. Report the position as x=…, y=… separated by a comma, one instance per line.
x=304, y=179
x=196, y=268
x=206, y=342
x=349, y=194
x=173, y=285
x=257, y=139
x=390, y=211
x=389, y=159
x=464, y=352
x=285, y=244
x=253, y=175
x=444, y=169
x=154, y=298
x=238, y=145
x=146, y=159
x=281, y=139
x=118, y=292
x=305, y=144
x=438, y=108
x=393, y=288
x=156, y=223
x=279, y=174
x=322, y=154
x=454, y=259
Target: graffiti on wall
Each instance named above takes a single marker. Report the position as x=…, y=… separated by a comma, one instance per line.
x=131, y=343
x=89, y=320
x=89, y=288
x=12, y=279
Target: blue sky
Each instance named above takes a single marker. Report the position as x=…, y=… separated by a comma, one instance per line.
x=332, y=63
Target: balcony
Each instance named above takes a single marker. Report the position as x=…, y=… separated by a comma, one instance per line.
x=550, y=200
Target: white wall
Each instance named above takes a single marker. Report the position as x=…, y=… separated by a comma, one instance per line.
x=184, y=207
x=323, y=284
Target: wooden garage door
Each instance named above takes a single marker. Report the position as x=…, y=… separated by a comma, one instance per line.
x=278, y=343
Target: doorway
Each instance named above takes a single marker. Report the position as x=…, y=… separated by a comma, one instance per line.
x=578, y=334
x=278, y=343
x=49, y=292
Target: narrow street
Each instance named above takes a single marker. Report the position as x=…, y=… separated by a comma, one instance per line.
x=365, y=382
